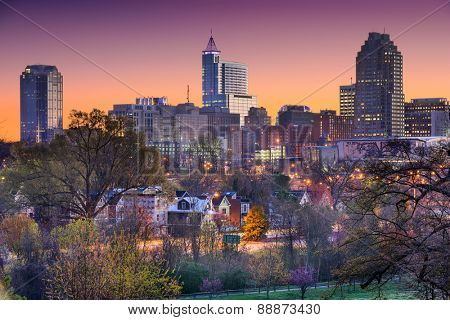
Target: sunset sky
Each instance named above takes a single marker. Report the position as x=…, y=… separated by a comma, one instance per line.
x=291, y=47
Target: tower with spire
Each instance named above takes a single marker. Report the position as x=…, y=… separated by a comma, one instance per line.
x=225, y=83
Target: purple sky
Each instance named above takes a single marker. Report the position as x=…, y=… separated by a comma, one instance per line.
x=291, y=47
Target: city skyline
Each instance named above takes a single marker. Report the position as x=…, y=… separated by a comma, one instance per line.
x=288, y=60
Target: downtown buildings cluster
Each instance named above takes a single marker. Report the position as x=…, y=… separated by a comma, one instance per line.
x=231, y=131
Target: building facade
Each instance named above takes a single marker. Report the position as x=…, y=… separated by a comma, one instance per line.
x=302, y=125
x=41, y=103
x=174, y=130
x=225, y=83
x=334, y=127
x=347, y=100
x=379, y=98
x=426, y=117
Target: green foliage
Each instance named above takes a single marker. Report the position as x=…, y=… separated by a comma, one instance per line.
x=132, y=275
x=76, y=233
x=114, y=267
x=14, y=229
x=235, y=279
x=268, y=268
x=256, y=224
x=191, y=275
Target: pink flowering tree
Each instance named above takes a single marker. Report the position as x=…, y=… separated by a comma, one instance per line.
x=211, y=285
x=302, y=277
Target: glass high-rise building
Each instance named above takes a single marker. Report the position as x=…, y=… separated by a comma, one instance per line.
x=347, y=100
x=41, y=103
x=379, y=98
x=225, y=83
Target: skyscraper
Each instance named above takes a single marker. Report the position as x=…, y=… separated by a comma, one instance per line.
x=41, y=103
x=347, y=100
x=225, y=83
x=379, y=88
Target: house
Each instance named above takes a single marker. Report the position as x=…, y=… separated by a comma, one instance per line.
x=187, y=211
x=239, y=207
x=146, y=201
x=222, y=205
x=302, y=196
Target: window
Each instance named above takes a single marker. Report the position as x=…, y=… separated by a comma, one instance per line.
x=224, y=211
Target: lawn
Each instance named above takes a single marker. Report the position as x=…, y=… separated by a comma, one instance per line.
x=3, y=293
x=390, y=292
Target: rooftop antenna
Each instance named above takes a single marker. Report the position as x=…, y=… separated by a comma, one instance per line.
x=351, y=80
x=188, y=94
x=384, y=30
x=211, y=32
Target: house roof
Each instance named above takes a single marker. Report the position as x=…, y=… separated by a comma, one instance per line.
x=180, y=193
x=217, y=201
x=197, y=205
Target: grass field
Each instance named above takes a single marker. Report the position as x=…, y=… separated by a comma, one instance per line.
x=390, y=292
x=3, y=294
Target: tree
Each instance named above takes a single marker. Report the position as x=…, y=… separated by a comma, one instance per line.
x=268, y=269
x=316, y=228
x=335, y=177
x=115, y=267
x=302, y=277
x=76, y=170
x=256, y=224
x=21, y=236
x=286, y=219
x=191, y=276
x=211, y=285
x=257, y=188
x=397, y=219
x=14, y=228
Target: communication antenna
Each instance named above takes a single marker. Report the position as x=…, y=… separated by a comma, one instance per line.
x=351, y=80
x=188, y=94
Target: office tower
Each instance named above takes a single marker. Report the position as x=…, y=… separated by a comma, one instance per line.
x=379, y=110
x=334, y=127
x=426, y=117
x=41, y=103
x=257, y=118
x=347, y=100
x=243, y=147
x=256, y=121
x=301, y=125
x=225, y=83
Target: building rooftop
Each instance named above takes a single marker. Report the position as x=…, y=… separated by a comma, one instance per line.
x=211, y=46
